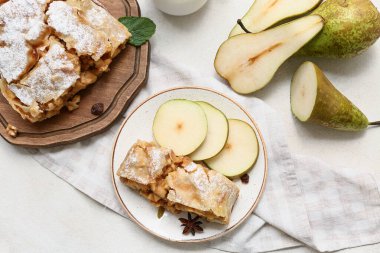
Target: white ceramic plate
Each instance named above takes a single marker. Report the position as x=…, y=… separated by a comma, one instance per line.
x=138, y=125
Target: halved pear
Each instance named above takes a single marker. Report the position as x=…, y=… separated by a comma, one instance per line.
x=180, y=125
x=249, y=61
x=217, y=133
x=265, y=13
x=314, y=98
x=240, y=152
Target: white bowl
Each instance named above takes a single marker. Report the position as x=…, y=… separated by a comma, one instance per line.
x=179, y=7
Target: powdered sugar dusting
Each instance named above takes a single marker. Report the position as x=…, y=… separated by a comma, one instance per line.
x=200, y=180
x=36, y=67
x=144, y=163
x=17, y=17
x=75, y=31
x=190, y=188
x=100, y=19
x=35, y=32
x=53, y=75
x=207, y=190
x=157, y=160
x=224, y=194
x=135, y=165
x=14, y=56
x=191, y=167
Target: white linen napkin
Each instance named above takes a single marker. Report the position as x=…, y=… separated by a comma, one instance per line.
x=305, y=201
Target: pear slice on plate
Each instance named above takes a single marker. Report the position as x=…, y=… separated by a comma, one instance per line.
x=240, y=152
x=217, y=133
x=265, y=13
x=249, y=61
x=180, y=125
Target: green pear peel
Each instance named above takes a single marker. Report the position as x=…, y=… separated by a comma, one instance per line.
x=330, y=107
x=351, y=26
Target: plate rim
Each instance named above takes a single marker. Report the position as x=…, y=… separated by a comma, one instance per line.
x=228, y=230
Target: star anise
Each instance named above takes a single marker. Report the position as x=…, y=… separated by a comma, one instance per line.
x=191, y=224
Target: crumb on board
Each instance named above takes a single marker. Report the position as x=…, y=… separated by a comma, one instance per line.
x=73, y=104
x=12, y=131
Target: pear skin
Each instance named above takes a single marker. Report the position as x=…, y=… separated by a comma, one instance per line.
x=351, y=26
x=330, y=108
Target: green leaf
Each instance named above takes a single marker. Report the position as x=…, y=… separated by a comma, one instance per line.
x=142, y=29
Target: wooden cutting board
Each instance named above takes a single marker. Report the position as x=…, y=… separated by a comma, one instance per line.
x=115, y=89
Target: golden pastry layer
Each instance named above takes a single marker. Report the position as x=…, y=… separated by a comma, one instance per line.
x=177, y=183
x=53, y=49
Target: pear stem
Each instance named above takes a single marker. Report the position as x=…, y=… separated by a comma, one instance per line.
x=375, y=123
x=242, y=26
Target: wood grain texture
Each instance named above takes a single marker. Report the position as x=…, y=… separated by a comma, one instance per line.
x=115, y=89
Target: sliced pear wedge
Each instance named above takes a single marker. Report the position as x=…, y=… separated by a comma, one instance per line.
x=265, y=13
x=314, y=98
x=180, y=125
x=249, y=61
x=240, y=152
x=217, y=133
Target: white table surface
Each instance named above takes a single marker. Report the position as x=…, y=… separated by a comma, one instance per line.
x=41, y=213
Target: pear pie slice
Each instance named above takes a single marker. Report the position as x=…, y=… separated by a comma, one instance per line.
x=177, y=183
x=50, y=50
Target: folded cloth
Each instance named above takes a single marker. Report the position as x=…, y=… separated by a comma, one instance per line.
x=305, y=201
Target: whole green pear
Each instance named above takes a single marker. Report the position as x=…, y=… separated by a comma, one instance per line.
x=351, y=26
